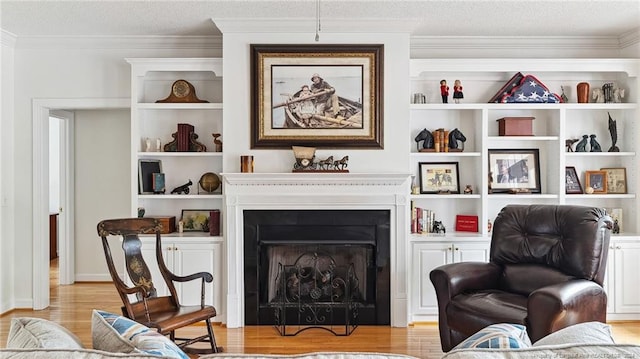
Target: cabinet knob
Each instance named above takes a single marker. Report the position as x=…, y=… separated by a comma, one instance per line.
x=618, y=247
x=449, y=249
x=611, y=247
x=175, y=248
x=457, y=248
x=169, y=248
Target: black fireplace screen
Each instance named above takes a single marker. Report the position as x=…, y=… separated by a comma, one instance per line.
x=356, y=239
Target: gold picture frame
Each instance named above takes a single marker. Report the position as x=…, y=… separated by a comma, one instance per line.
x=597, y=180
x=340, y=107
x=616, y=179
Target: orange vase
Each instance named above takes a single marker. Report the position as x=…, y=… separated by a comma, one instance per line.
x=583, y=92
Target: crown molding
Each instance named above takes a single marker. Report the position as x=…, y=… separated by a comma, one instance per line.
x=308, y=25
x=7, y=39
x=511, y=42
x=119, y=42
x=630, y=38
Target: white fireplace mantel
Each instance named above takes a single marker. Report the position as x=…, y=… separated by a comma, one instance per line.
x=356, y=191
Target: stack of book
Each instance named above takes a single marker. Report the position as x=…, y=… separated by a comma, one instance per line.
x=421, y=219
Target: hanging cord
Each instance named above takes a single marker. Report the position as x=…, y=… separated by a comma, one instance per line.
x=317, y=20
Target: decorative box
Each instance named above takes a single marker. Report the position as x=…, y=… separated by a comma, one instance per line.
x=168, y=223
x=515, y=126
x=466, y=223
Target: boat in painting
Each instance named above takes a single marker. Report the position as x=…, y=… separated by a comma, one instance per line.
x=304, y=112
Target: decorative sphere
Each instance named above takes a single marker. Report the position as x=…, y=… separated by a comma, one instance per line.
x=589, y=190
x=209, y=182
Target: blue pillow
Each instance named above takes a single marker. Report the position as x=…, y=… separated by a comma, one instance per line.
x=502, y=336
x=115, y=333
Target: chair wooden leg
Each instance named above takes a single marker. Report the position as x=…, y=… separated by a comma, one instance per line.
x=212, y=338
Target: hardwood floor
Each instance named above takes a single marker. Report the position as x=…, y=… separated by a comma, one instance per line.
x=71, y=306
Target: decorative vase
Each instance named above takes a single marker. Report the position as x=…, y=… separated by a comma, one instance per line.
x=583, y=92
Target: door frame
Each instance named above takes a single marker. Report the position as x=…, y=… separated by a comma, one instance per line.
x=66, y=213
x=40, y=207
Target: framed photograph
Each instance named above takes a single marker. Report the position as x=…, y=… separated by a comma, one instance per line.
x=596, y=180
x=514, y=170
x=571, y=181
x=146, y=169
x=439, y=177
x=316, y=95
x=616, y=180
x=195, y=220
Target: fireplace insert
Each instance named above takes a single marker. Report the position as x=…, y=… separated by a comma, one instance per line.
x=357, y=239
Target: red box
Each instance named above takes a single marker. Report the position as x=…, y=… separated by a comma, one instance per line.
x=466, y=223
x=515, y=126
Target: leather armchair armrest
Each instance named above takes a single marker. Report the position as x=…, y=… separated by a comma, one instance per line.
x=560, y=305
x=456, y=278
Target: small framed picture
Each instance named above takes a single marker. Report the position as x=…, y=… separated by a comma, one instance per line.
x=146, y=169
x=571, y=181
x=616, y=180
x=439, y=177
x=195, y=220
x=596, y=180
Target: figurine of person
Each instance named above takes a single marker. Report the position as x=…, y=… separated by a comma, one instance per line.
x=457, y=91
x=444, y=91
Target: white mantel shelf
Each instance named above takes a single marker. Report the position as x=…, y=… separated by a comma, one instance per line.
x=317, y=191
x=315, y=179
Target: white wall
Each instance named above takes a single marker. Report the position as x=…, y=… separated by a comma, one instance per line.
x=237, y=105
x=102, y=178
x=7, y=228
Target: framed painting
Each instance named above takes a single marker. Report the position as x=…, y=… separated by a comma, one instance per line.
x=571, y=181
x=146, y=170
x=195, y=220
x=616, y=180
x=596, y=180
x=439, y=177
x=514, y=171
x=317, y=95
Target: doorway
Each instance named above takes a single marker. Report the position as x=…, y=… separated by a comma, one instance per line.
x=42, y=109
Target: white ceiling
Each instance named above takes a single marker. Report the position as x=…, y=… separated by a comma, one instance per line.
x=423, y=18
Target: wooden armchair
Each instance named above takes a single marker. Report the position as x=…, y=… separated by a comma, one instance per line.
x=165, y=312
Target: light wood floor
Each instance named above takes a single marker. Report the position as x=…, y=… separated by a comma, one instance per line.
x=71, y=306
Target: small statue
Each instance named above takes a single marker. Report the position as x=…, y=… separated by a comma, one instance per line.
x=618, y=95
x=454, y=136
x=426, y=136
x=217, y=142
x=438, y=227
x=597, y=95
x=182, y=189
x=569, y=143
x=468, y=189
x=613, y=130
x=444, y=91
x=595, y=146
x=141, y=212
x=616, y=227
x=457, y=91
x=564, y=97
x=582, y=145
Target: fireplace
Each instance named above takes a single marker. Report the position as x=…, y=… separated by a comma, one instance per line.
x=349, y=239
x=265, y=194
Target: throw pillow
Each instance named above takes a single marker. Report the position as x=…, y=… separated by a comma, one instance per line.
x=582, y=333
x=115, y=333
x=510, y=336
x=32, y=333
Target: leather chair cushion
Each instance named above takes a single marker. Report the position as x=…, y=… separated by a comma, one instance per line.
x=469, y=313
x=537, y=277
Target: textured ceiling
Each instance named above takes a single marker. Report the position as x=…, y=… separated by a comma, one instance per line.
x=427, y=17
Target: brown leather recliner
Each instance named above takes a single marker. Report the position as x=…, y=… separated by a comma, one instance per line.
x=546, y=267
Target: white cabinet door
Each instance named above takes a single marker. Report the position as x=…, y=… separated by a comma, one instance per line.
x=190, y=258
x=426, y=257
x=627, y=267
x=609, y=279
